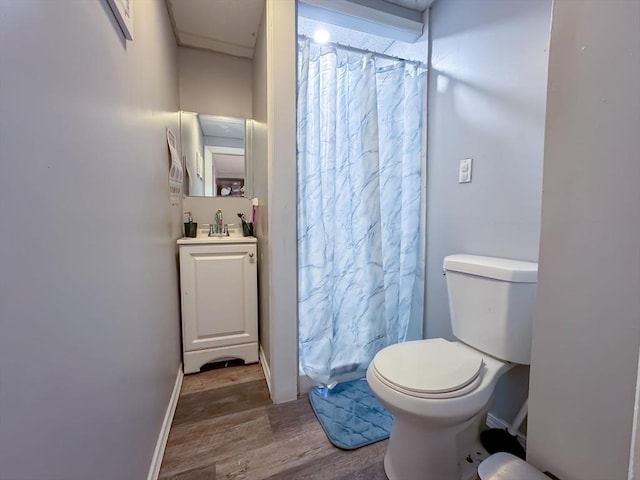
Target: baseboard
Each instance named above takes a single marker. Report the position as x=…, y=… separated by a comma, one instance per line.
x=496, y=422
x=158, y=454
x=265, y=369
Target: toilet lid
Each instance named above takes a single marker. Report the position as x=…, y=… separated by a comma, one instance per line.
x=434, y=366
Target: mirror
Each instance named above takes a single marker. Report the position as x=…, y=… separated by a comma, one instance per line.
x=216, y=155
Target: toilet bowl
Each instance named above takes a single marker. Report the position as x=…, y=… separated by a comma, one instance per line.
x=436, y=389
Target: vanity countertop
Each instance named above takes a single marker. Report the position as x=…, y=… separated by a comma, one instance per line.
x=204, y=238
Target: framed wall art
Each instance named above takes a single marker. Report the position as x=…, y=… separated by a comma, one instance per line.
x=123, y=11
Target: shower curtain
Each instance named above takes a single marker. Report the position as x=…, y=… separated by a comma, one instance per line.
x=360, y=207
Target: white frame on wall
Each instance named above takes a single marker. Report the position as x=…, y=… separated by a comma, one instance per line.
x=123, y=11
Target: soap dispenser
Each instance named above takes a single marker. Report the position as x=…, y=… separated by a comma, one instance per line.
x=190, y=227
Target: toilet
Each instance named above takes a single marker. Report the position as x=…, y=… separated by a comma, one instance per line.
x=438, y=390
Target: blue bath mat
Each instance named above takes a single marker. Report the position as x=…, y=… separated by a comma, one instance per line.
x=350, y=414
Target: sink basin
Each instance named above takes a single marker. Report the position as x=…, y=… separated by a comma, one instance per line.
x=204, y=238
x=204, y=232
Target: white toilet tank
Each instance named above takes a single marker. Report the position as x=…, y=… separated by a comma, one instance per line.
x=491, y=302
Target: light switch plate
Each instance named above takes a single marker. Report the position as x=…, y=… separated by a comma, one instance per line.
x=464, y=171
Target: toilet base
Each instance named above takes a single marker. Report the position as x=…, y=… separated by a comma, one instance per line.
x=447, y=453
x=415, y=452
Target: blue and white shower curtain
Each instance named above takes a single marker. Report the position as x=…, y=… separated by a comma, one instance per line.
x=360, y=208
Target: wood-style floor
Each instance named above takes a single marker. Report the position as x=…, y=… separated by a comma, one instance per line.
x=226, y=427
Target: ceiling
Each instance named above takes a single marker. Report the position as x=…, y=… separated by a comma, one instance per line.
x=227, y=26
x=216, y=126
x=231, y=26
x=416, y=5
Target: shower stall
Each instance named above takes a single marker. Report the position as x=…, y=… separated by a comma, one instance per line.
x=361, y=162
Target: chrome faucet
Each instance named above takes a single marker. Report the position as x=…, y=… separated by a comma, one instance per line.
x=218, y=228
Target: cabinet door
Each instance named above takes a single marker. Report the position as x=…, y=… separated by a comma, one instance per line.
x=219, y=295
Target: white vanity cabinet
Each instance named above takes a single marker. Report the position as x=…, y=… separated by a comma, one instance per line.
x=218, y=282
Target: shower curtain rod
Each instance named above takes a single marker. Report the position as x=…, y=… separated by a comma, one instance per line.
x=360, y=50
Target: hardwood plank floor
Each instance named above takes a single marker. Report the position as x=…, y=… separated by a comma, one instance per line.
x=225, y=427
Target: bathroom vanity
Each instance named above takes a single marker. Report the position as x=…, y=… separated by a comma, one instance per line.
x=218, y=282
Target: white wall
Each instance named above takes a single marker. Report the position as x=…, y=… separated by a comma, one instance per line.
x=89, y=316
x=281, y=176
x=274, y=162
x=215, y=83
x=487, y=92
x=204, y=209
x=587, y=328
x=261, y=184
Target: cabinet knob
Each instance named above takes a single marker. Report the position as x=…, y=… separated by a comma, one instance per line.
x=251, y=255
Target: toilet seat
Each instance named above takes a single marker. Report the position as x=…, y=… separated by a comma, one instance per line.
x=434, y=368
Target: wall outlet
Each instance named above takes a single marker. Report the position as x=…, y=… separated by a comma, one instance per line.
x=464, y=171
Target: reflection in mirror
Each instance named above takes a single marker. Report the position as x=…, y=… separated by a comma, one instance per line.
x=215, y=155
